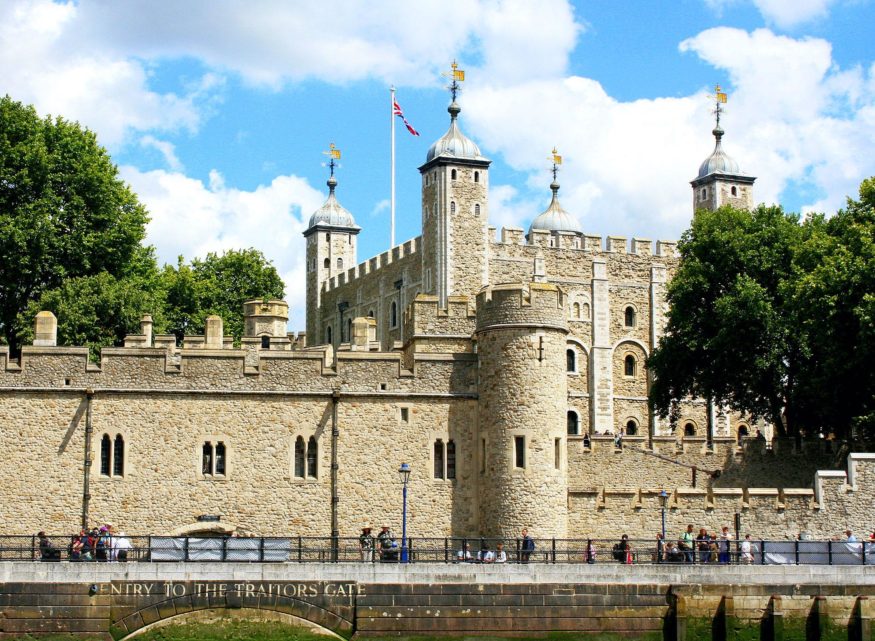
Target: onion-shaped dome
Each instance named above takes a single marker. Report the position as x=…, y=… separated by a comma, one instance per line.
x=454, y=144
x=719, y=162
x=555, y=218
x=332, y=213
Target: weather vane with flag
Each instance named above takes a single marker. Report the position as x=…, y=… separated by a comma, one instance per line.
x=719, y=98
x=333, y=154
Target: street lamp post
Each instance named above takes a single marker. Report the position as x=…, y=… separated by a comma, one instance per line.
x=663, y=497
x=404, y=474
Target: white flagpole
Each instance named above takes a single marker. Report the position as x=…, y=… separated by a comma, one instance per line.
x=392, y=124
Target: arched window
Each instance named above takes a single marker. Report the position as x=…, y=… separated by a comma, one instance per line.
x=370, y=313
x=630, y=317
x=629, y=365
x=743, y=432
x=573, y=423
x=476, y=176
x=477, y=209
x=451, y=459
x=575, y=310
x=393, y=315
x=439, y=459
x=704, y=193
x=207, y=458
x=299, y=457
x=734, y=191
x=689, y=429
x=328, y=335
x=220, y=458
x=452, y=208
x=339, y=263
x=118, y=456
x=265, y=342
x=104, y=455
x=631, y=427
x=585, y=311
x=327, y=262
x=453, y=174
x=312, y=457
x=570, y=360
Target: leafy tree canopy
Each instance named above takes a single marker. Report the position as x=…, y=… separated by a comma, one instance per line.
x=774, y=317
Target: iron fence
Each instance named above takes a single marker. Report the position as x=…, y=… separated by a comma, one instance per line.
x=298, y=549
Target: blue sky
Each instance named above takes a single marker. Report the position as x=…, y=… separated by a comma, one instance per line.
x=217, y=112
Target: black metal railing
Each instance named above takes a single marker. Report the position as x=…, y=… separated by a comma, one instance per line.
x=475, y=549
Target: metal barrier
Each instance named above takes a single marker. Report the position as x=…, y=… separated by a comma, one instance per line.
x=475, y=549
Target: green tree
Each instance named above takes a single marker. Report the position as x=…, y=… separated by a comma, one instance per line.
x=728, y=338
x=64, y=213
x=217, y=284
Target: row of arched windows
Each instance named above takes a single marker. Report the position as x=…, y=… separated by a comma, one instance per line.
x=327, y=263
x=630, y=363
x=453, y=209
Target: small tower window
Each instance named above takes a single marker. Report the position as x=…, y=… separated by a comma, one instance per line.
x=104, y=455
x=312, y=457
x=118, y=456
x=477, y=209
x=327, y=263
x=299, y=457
x=328, y=335
x=689, y=429
x=439, y=459
x=451, y=460
x=573, y=423
x=213, y=459
x=704, y=193
x=629, y=365
x=370, y=313
x=453, y=174
x=339, y=263
x=631, y=427
x=742, y=433
x=393, y=315
x=220, y=459
x=586, y=311
x=452, y=208
x=349, y=330
x=476, y=176
x=265, y=342
x=207, y=458
x=570, y=360
x=557, y=453
x=630, y=317
x=519, y=446
x=734, y=191
x=575, y=310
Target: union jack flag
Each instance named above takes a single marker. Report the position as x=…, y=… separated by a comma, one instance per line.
x=396, y=109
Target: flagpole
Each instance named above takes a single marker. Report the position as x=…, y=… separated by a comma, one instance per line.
x=392, y=124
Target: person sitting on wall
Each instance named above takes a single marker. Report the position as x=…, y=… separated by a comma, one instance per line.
x=500, y=554
x=388, y=545
x=485, y=555
x=47, y=549
x=675, y=554
x=623, y=550
x=74, y=550
x=464, y=554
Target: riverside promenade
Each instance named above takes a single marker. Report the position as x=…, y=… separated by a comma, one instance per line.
x=118, y=600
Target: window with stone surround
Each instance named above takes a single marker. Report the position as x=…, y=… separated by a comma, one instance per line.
x=573, y=421
x=444, y=459
x=477, y=179
x=743, y=432
x=300, y=455
x=629, y=316
x=477, y=209
x=214, y=461
x=452, y=208
x=631, y=427
x=327, y=263
x=519, y=451
x=575, y=310
x=328, y=335
x=451, y=460
x=571, y=360
x=734, y=191
x=557, y=453
x=112, y=456
x=690, y=429
x=439, y=459
x=393, y=315
x=339, y=263
x=629, y=365
x=453, y=174
x=265, y=342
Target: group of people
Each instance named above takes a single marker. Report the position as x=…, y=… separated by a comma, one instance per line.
x=95, y=544
x=384, y=547
x=690, y=547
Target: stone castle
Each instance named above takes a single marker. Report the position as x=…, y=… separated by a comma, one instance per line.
x=499, y=366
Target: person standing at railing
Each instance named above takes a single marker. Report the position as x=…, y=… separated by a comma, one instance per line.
x=687, y=542
x=703, y=545
x=590, y=551
x=747, y=550
x=121, y=544
x=528, y=546
x=723, y=546
x=500, y=554
x=47, y=549
x=366, y=543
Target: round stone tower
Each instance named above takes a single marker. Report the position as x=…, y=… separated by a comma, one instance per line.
x=523, y=399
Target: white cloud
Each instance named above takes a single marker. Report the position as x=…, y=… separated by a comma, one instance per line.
x=191, y=218
x=785, y=14
x=794, y=118
x=163, y=147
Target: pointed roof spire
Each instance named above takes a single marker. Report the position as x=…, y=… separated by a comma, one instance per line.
x=332, y=213
x=555, y=218
x=719, y=162
x=454, y=144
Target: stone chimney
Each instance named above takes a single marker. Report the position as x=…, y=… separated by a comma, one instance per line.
x=146, y=329
x=214, y=333
x=45, y=330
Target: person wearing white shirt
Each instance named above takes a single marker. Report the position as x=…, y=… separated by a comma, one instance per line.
x=464, y=554
x=746, y=550
x=500, y=554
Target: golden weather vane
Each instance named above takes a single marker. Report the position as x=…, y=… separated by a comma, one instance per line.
x=333, y=154
x=456, y=75
x=556, y=159
x=719, y=98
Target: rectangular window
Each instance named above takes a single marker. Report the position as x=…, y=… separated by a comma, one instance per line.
x=405, y=414
x=557, y=453
x=220, y=458
x=519, y=443
x=451, y=460
x=439, y=459
x=482, y=455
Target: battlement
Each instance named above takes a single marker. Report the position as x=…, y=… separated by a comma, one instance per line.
x=409, y=248
x=518, y=303
x=585, y=242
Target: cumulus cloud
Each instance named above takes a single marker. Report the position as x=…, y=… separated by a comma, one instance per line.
x=192, y=218
x=794, y=119
x=163, y=147
x=785, y=14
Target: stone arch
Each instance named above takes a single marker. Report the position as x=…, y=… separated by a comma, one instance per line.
x=626, y=384
x=160, y=612
x=633, y=341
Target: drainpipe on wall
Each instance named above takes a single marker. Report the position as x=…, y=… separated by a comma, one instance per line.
x=335, y=432
x=86, y=463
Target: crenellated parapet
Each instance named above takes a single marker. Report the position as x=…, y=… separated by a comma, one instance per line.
x=373, y=265
x=585, y=242
x=533, y=304
x=435, y=328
